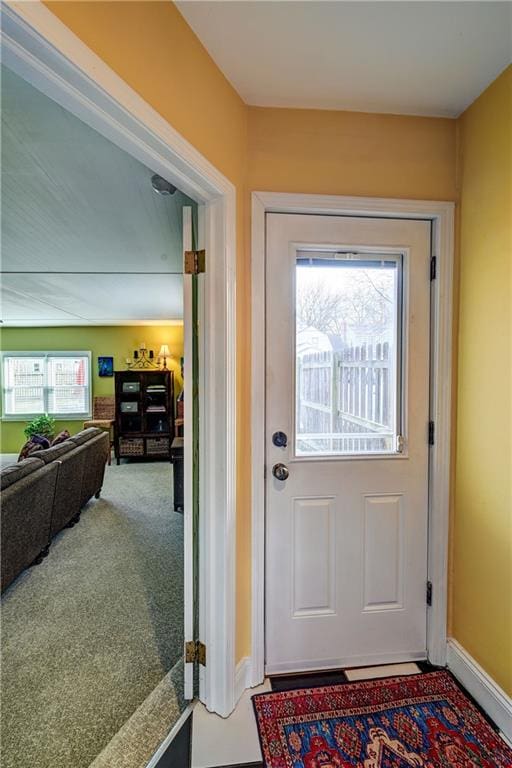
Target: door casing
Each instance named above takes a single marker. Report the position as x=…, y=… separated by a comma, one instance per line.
x=43, y=51
x=441, y=216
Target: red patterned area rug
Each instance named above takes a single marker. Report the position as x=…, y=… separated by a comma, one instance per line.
x=421, y=721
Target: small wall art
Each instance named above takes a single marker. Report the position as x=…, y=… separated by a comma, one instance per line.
x=105, y=366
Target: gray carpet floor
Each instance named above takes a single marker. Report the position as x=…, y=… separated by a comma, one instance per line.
x=88, y=635
x=8, y=458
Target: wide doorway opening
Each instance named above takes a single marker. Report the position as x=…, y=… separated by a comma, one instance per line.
x=99, y=353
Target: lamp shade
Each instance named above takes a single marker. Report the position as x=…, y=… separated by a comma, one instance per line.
x=164, y=351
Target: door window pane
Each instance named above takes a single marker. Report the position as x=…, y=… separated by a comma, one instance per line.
x=347, y=355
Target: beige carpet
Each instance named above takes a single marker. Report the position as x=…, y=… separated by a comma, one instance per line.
x=139, y=738
x=89, y=634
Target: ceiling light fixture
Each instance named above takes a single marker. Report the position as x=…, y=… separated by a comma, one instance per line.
x=161, y=186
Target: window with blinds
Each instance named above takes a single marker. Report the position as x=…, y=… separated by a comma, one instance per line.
x=57, y=383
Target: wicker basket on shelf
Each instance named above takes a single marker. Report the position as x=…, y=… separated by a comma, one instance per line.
x=157, y=446
x=131, y=446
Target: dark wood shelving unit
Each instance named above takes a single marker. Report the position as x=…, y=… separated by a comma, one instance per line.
x=144, y=425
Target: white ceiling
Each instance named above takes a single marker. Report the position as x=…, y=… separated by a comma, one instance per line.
x=418, y=58
x=73, y=202
x=34, y=300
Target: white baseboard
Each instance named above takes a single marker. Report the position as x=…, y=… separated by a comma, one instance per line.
x=493, y=700
x=243, y=676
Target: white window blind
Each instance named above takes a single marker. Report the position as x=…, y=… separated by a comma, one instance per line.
x=57, y=383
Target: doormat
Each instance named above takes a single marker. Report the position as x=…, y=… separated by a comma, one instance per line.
x=420, y=721
x=355, y=674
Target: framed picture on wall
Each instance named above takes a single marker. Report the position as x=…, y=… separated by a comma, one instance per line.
x=105, y=366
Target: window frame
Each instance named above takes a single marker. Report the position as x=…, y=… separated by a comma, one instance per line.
x=46, y=354
x=350, y=257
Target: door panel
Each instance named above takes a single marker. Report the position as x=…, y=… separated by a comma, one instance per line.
x=347, y=375
x=383, y=543
x=313, y=557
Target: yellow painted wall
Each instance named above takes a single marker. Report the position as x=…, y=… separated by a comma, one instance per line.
x=151, y=47
x=118, y=342
x=481, y=564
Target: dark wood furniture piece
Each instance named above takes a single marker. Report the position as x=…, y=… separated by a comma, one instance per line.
x=180, y=413
x=177, y=463
x=144, y=423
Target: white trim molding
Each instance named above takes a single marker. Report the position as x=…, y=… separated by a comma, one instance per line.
x=243, y=676
x=441, y=216
x=493, y=699
x=258, y=440
x=38, y=47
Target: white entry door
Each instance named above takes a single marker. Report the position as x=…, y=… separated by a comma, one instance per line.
x=347, y=411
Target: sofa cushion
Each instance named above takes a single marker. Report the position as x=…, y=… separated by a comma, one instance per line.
x=15, y=472
x=53, y=453
x=94, y=468
x=68, y=494
x=85, y=435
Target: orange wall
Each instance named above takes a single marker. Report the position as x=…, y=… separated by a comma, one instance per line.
x=351, y=153
x=152, y=48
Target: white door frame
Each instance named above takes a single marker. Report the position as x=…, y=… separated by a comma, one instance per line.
x=441, y=214
x=42, y=50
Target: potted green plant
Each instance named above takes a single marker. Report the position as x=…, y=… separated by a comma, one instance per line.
x=43, y=425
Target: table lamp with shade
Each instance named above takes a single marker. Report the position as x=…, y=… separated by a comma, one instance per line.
x=163, y=355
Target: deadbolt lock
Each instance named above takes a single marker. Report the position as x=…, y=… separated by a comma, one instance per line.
x=280, y=439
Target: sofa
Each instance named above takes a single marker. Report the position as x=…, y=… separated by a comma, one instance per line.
x=94, y=468
x=44, y=493
x=28, y=489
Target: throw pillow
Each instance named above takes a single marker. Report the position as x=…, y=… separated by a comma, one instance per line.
x=36, y=443
x=64, y=435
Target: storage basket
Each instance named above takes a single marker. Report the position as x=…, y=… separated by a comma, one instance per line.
x=157, y=446
x=131, y=446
